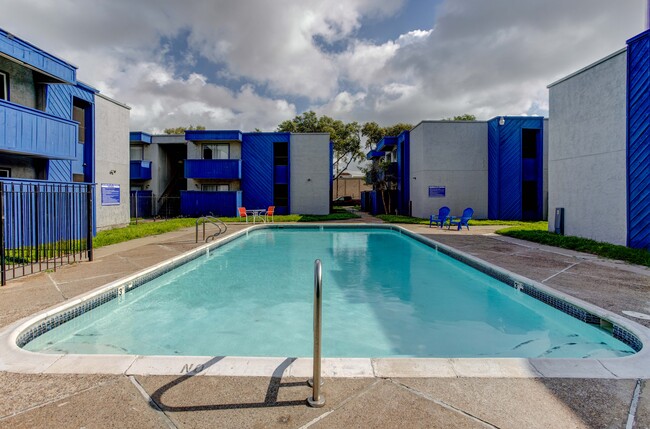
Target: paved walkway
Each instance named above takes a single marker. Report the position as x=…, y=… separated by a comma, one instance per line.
x=187, y=401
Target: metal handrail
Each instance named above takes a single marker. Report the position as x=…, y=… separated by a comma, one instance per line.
x=317, y=399
x=214, y=221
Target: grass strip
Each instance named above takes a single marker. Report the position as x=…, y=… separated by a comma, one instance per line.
x=473, y=222
x=605, y=250
x=147, y=228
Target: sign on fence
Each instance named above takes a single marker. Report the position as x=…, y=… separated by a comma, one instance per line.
x=110, y=194
x=437, y=191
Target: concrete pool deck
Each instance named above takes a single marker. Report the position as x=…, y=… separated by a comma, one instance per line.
x=187, y=400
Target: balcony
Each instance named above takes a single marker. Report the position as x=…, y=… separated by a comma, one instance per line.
x=228, y=169
x=201, y=203
x=140, y=170
x=26, y=131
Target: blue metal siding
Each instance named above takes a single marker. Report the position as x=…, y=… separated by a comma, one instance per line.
x=387, y=143
x=35, y=57
x=638, y=140
x=213, y=169
x=505, y=165
x=138, y=136
x=32, y=132
x=404, y=172
x=201, y=203
x=493, y=169
x=59, y=103
x=213, y=135
x=257, y=168
x=281, y=174
x=140, y=170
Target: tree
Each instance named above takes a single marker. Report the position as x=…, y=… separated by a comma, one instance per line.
x=374, y=133
x=464, y=117
x=181, y=130
x=346, y=137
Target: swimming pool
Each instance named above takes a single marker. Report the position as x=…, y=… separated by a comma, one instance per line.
x=385, y=295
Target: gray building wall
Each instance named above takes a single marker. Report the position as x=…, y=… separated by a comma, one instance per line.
x=453, y=154
x=309, y=189
x=111, y=156
x=587, y=150
x=22, y=89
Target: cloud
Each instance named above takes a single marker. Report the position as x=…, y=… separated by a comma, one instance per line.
x=253, y=63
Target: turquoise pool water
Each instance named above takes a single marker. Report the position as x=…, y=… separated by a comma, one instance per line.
x=385, y=295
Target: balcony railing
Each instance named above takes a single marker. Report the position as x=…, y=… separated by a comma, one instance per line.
x=213, y=169
x=28, y=131
x=140, y=170
x=201, y=203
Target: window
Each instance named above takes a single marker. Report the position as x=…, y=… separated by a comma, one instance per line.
x=215, y=151
x=79, y=115
x=281, y=153
x=137, y=152
x=529, y=143
x=77, y=177
x=4, y=86
x=219, y=187
x=5, y=172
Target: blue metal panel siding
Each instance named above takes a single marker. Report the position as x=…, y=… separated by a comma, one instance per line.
x=59, y=170
x=374, y=154
x=638, y=140
x=138, y=136
x=257, y=168
x=59, y=103
x=35, y=57
x=281, y=176
x=140, y=170
x=493, y=169
x=387, y=143
x=200, y=203
x=213, y=135
x=32, y=132
x=505, y=166
x=404, y=172
x=213, y=169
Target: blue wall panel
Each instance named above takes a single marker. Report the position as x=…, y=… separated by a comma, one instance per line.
x=493, y=169
x=59, y=103
x=201, y=203
x=257, y=168
x=32, y=132
x=638, y=140
x=213, y=169
x=505, y=166
x=35, y=57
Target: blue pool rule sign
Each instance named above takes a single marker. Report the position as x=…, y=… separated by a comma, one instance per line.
x=437, y=191
x=110, y=194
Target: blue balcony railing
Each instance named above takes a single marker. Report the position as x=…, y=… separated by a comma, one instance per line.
x=213, y=169
x=28, y=131
x=140, y=170
x=201, y=203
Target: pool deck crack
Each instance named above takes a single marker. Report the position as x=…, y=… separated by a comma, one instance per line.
x=561, y=271
x=634, y=405
x=153, y=404
x=444, y=404
x=65, y=298
x=343, y=403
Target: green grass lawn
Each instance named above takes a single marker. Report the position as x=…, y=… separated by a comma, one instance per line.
x=473, y=222
x=147, y=228
x=541, y=235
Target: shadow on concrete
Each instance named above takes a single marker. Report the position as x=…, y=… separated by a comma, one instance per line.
x=270, y=400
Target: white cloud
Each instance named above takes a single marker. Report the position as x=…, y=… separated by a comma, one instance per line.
x=487, y=58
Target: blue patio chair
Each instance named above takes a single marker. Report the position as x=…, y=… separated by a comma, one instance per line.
x=441, y=218
x=463, y=220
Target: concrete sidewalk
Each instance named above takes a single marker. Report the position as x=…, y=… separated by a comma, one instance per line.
x=187, y=401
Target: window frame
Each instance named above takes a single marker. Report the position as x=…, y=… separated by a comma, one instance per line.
x=81, y=134
x=4, y=85
x=5, y=170
x=204, y=187
x=205, y=145
x=141, y=150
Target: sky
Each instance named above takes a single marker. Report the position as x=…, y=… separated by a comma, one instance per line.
x=251, y=64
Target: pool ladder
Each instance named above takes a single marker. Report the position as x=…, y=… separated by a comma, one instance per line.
x=317, y=399
x=222, y=228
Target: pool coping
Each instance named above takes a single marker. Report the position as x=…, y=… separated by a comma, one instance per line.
x=15, y=359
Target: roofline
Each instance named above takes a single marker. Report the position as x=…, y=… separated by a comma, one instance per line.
x=126, y=106
x=590, y=66
x=36, y=48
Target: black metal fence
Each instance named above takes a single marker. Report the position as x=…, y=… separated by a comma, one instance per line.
x=44, y=225
x=146, y=205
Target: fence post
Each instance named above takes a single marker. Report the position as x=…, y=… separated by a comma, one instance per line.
x=89, y=217
x=37, y=226
x=3, y=274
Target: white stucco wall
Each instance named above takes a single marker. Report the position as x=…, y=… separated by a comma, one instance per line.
x=309, y=189
x=453, y=154
x=111, y=155
x=587, y=160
